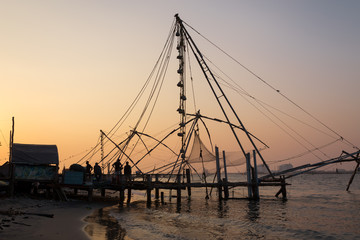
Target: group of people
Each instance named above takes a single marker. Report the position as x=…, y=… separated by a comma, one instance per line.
x=118, y=170
x=97, y=171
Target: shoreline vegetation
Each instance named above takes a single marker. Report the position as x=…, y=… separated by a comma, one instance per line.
x=33, y=218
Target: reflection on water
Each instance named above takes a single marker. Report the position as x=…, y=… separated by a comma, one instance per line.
x=102, y=226
x=326, y=211
x=253, y=213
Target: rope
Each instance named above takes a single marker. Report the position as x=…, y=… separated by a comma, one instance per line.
x=271, y=87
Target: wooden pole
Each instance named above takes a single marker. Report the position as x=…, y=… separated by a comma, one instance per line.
x=248, y=173
x=188, y=180
x=352, y=176
x=225, y=170
x=103, y=192
x=156, y=188
x=122, y=195
x=218, y=172
x=162, y=197
x=178, y=194
x=255, y=178
x=148, y=190
x=12, y=166
x=129, y=195
x=226, y=188
x=90, y=194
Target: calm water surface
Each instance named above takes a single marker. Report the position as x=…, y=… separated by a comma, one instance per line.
x=318, y=207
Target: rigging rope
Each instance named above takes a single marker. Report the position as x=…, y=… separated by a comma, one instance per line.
x=270, y=86
x=305, y=153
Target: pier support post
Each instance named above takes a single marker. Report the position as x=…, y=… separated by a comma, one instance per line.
x=188, y=180
x=255, y=180
x=225, y=180
x=148, y=190
x=162, y=197
x=156, y=188
x=129, y=195
x=121, y=195
x=218, y=172
x=90, y=194
x=248, y=173
x=178, y=194
x=103, y=192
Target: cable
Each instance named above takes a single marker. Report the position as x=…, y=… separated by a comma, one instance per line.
x=273, y=88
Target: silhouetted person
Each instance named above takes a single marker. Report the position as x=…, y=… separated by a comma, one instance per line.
x=127, y=171
x=97, y=171
x=118, y=167
x=88, y=170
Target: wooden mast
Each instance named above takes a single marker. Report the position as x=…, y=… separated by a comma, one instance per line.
x=12, y=167
x=181, y=84
x=221, y=94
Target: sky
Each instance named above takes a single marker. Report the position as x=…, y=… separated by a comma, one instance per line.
x=71, y=68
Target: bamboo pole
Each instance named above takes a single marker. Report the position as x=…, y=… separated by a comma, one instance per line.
x=148, y=190
x=188, y=180
x=248, y=173
x=226, y=188
x=156, y=188
x=255, y=178
x=218, y=172
x=178, y=192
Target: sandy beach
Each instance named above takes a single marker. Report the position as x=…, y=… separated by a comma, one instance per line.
x=22, y=218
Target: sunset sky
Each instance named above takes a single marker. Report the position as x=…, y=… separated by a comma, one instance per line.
x=71, y=68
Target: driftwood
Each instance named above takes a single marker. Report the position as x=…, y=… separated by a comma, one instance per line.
x=12, y=212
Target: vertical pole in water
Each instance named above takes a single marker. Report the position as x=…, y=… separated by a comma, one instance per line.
x=156, y=188
x=162, y=197
x=188, y=180
x=248, y=173
x=122, y=194
x=129, y=195
x=148, y=190
x=178, y=194
x=226, y=188
x=218, y=172
x=255, y=178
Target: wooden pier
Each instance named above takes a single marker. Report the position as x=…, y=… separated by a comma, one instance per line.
x=154, y=184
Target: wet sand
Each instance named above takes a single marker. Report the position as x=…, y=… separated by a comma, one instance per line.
x=103, y=226
x=68, y=221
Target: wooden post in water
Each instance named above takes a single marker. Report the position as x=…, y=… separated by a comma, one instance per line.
x=129, y=194
x=121, y=195
x=162, y=197
x=188, y=180
x=226, y=187
x=90, y=194
x=218, y=172
x=255, y=179
x=156, y=188
x=178, y=194
x=148, y=190
x=248, y=173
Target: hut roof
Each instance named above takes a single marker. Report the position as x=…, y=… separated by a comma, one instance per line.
x=35, y=154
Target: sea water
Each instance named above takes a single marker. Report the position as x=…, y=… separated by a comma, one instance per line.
x=318, y=207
